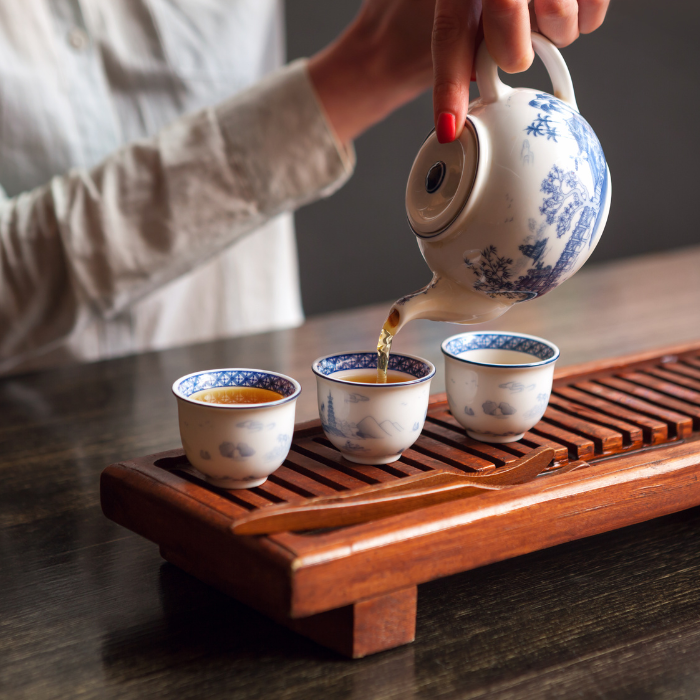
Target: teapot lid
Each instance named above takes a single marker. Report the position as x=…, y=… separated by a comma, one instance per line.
x=440, y=182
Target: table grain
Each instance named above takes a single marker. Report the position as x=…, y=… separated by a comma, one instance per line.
x=89, y=610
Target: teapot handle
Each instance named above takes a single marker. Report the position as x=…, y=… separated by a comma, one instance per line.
x=491, y=89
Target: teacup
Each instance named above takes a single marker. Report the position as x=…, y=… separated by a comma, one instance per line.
x=372, y=423
x=236, y=446
x=498, y=384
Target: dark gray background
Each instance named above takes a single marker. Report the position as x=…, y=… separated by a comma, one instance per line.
x=636, y=82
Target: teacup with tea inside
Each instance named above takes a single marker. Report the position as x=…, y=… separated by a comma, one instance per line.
x=371, y=422
x=236, y=425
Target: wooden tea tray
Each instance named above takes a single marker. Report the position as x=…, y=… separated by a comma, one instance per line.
x=634, y=420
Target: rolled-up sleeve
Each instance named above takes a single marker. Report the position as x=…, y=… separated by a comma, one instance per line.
x=106, y=237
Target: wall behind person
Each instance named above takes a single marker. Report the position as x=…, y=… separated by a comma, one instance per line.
x=636, y=83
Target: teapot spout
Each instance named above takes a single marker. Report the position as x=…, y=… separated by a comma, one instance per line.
x=445, y=300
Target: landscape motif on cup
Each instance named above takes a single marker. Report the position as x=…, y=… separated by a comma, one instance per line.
x=369, y=428
x=366, y=432
x=568, y=205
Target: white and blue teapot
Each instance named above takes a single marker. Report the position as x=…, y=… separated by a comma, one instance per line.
x=512, y=208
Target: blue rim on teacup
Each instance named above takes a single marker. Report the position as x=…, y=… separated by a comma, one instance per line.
x=184, y=387
x=500, y=340
x=417, y=367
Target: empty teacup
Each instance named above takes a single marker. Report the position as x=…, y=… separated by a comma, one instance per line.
x=372, y=423
x=236, y=425
x=498, y=384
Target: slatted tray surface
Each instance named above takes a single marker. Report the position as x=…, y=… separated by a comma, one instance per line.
x=587, y=419
x=619, y=410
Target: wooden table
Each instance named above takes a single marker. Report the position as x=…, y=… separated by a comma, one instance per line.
x=88, y=609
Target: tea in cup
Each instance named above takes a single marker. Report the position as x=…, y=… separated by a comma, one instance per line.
x=236, y=425
x=371, y=423
x=498, y=384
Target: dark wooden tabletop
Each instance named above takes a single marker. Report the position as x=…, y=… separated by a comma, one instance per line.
x=89, y=610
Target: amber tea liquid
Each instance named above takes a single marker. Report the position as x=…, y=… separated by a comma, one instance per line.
x=369, y=376
x=236, y=394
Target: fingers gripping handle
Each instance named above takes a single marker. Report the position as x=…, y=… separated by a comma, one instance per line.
x=491, y=89
x=562, y=87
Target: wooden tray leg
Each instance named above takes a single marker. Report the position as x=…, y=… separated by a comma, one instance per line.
x=365, y=627
x=356, y=630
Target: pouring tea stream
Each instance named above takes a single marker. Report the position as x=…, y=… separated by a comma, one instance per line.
x=509, y=210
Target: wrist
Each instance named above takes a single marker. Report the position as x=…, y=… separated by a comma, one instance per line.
x=355, y=84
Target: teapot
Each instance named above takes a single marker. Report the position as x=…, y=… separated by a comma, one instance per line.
x=513, y=207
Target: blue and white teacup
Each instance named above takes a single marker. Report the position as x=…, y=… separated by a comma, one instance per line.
x=498, y=383
x=372, y=423
x=236, y=446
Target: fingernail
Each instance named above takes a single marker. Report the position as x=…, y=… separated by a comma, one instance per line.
x=445, y=127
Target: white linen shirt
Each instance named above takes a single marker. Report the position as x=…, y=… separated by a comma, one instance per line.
x=123, y=223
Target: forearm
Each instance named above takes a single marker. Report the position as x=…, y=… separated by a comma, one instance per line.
x=164, y=206
x=101, y=239
x=351, y=87
x=38, y=300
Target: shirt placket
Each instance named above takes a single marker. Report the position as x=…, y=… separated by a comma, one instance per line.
x=97, y=129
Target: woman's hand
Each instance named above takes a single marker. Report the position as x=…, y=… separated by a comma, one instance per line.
x=506, y=28
x=383, y=59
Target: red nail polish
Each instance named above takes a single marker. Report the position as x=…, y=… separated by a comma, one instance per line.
x=445, y=127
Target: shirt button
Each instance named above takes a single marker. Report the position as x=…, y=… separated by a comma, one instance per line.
x=78, y=38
